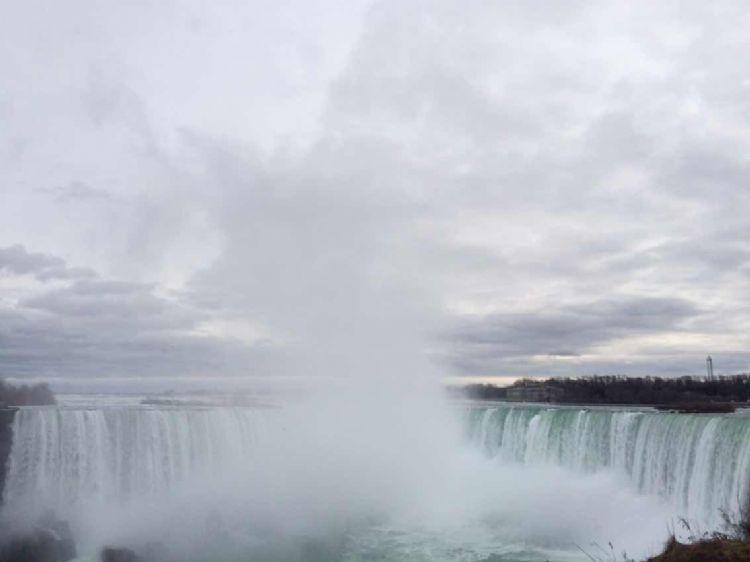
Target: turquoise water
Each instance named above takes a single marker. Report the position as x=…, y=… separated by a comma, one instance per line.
x=515, y=483
x=698, y=463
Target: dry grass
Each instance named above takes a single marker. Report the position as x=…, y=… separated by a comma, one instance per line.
x=733, y=546
x=707, y=550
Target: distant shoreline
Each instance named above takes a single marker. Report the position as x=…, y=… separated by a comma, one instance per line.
x=707, y=408
x=686, y=394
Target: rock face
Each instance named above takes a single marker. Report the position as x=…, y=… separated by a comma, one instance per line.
x=149, y=552
x=6, y=441
x=49, y=541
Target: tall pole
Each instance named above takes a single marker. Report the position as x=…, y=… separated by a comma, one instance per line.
x=710, y=368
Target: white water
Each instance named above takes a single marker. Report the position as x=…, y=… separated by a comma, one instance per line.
x=376, y=483
x=63, y=456
x=699, y=463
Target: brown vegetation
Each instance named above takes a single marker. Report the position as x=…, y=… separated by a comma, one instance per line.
x=732, y=546
x=682, y=394
x=717, y=549
x=25, y=395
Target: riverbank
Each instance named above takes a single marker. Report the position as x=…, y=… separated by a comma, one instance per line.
x=709, y=550
x=732, y=545
x=684, y=394
x=698, y=408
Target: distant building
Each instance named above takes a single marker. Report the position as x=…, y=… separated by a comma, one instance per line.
x=534, y=392
x=710, y=368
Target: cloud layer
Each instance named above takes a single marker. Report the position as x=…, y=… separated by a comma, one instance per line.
x=259, y=189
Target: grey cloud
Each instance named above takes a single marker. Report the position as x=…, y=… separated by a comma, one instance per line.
x=50, y=346
x=130, y=304
x=76, y=191
x=508, y=157
x=16, y=260
x=573, y=149
x=574, y=329
x=92, y=326
x=564, y=354
x=719, y=253
x=110, y=328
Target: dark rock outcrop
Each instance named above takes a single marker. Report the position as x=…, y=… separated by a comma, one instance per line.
x=49, y=541
x=6, y=441
x=149, y=552
x=114, y=554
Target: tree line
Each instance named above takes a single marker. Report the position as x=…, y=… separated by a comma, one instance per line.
x=38, y=394
x=626, y=390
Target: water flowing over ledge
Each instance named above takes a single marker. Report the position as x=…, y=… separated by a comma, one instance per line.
x=700, y=464
x=189, y=469
x=62, y=456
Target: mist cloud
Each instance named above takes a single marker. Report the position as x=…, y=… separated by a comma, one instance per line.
x=501, y=191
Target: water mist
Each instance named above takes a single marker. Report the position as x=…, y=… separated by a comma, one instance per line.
x=369, y=462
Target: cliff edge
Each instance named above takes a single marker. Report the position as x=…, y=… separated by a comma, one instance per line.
x=707, y=550
x=6, y=442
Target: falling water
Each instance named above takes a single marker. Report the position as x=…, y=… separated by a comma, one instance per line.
x=212, y=482
x=61, y=456
x=698, y=463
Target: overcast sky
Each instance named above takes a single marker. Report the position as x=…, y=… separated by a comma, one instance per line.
x=234, y=188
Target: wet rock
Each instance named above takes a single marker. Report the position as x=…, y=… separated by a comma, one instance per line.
x=113, y=554
x=49, y=541
x=154, y=552
x=149, y=552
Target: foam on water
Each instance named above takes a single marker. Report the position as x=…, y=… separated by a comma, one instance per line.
x=700, y=464
x=354, y=480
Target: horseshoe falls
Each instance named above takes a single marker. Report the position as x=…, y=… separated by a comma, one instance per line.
x=63, y=456
x=402, y=482
x=698, y=463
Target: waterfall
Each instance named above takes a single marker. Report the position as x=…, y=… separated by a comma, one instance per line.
x=699, y=463
x=67, y=456
x=62, y=456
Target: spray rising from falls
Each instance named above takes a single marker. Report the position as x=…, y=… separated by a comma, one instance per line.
x=700, y=464
x=220, y=482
